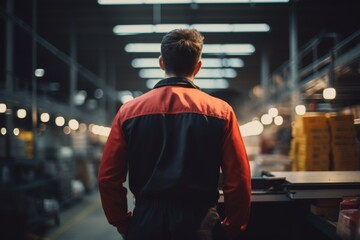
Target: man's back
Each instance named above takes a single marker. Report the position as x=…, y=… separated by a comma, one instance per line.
x=174, y=135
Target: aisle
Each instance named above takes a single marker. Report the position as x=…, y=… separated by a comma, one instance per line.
x=84, y=220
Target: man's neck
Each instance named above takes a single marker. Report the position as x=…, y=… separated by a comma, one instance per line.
x=191, y=78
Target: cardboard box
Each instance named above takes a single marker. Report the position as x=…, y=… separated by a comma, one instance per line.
x=320, y=163
x=314, y=139
x=309, y=122
x=345, y=158
x=313, y=149
x=340, y=120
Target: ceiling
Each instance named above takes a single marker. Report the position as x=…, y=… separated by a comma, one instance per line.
x=102, y=54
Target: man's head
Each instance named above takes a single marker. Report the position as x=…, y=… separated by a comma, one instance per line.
x=181, y=52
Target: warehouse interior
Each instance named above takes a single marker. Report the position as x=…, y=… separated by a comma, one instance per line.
x=290, y=69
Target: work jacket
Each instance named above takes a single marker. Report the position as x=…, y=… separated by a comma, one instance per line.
x=172, y=142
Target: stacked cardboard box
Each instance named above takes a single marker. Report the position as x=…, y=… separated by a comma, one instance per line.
x=344, y=150
x=324, y=142
x=310, y=147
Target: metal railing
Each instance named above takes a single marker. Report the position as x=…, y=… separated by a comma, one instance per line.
x=338, y=54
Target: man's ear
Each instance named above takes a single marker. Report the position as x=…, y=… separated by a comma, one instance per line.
x=161, y=63
x=197, y=67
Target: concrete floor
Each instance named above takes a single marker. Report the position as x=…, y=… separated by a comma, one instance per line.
x=85, y=220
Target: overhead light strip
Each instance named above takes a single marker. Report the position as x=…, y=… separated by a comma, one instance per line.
x=206, y=62
x=215, y=49
x=164, y=28
x=136, y=2
x=203, y=73
x=229, y=49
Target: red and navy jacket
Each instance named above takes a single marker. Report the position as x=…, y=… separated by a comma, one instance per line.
x=172, y=142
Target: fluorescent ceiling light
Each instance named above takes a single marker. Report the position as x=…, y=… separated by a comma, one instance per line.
x=127, y=2
x=146, y=28
x=203, y=73
x=238, y=1
x=202, y=83
x=142, y=47
x=249, y=27
x=164, y=28
x=212, y=83
x=233, y=62
x=219, y=49
x=39, y=72
x=222, y=62
x=206, y=62
x=132, y=29
x=229, y=49
x=145, y=63
x=125, y=96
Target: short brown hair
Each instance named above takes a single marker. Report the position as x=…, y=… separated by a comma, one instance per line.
x=181, y=50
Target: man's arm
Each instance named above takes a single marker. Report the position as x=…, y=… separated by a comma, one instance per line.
x=237, y=179
x=112, y=175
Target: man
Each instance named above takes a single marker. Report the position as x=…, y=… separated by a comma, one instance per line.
x=172, y=141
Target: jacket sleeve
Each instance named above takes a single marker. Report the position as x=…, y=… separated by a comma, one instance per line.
x=112, y=175
x=237, y=179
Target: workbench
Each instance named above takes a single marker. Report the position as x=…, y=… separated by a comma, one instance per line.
x=280, y=203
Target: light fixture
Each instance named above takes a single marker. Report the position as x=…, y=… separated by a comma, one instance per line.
x=222, y=62
x=229, y=49
x=146, y=28
x=273, y=112
x=80, y=97
x=203, y=73
x=202, y=83
x=74, y=124
x=300, y=109
x=212, y=83
x=16, y=131
x=145, y=63
x=241, y=1
x=132, y=2
x=142, y=47
x=100, y=130
x=3, y=107
x=125, y=96
x=278, y=120
x=266, y=119
x=39, y=72
x=206, y=62
x=329, y=93
x=220, y=49
x=164, y=28
x=253, y=128
x=240, y=27
x=150, y=83
x=44, y=117
x=228, y=62
x=21, y=113
x=59, y=121
x=3, y=131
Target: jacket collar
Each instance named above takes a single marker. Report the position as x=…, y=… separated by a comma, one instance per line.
x=176, y=81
